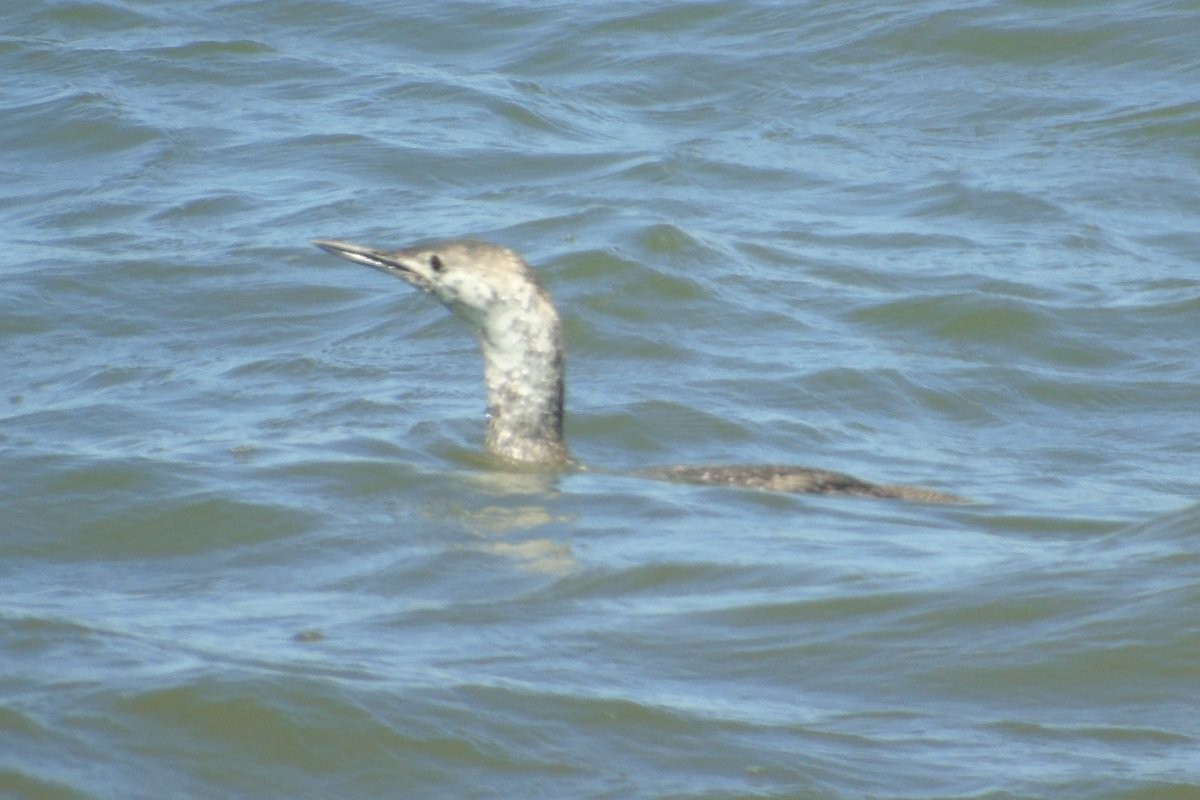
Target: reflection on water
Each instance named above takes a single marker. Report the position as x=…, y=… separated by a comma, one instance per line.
x=251, y=548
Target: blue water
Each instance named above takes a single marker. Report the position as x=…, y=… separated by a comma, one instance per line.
x=250, y=547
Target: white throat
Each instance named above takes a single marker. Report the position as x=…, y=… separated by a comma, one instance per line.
x=523, y=371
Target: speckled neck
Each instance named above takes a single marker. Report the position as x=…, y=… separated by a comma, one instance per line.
x=523, y=371
x=495, y=292
x=520, y=335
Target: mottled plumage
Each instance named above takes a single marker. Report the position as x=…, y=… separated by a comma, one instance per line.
x=520, y=336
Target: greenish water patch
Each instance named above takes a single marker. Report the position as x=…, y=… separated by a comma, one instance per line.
x=251, y=546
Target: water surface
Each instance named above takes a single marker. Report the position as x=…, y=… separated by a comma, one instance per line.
x=250, y=547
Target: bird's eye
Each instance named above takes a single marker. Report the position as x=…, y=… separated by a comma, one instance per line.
x=435, y=263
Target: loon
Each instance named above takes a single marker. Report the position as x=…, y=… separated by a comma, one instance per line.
x=494, y=291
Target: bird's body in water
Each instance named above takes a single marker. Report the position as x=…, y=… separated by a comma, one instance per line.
x=520, y=336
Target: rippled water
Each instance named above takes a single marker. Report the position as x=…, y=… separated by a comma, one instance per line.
x=250, y=547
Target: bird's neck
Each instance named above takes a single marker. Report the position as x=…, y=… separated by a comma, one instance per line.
x=523, y=371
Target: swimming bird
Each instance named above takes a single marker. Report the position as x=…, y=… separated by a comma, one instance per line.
x=494, y=291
